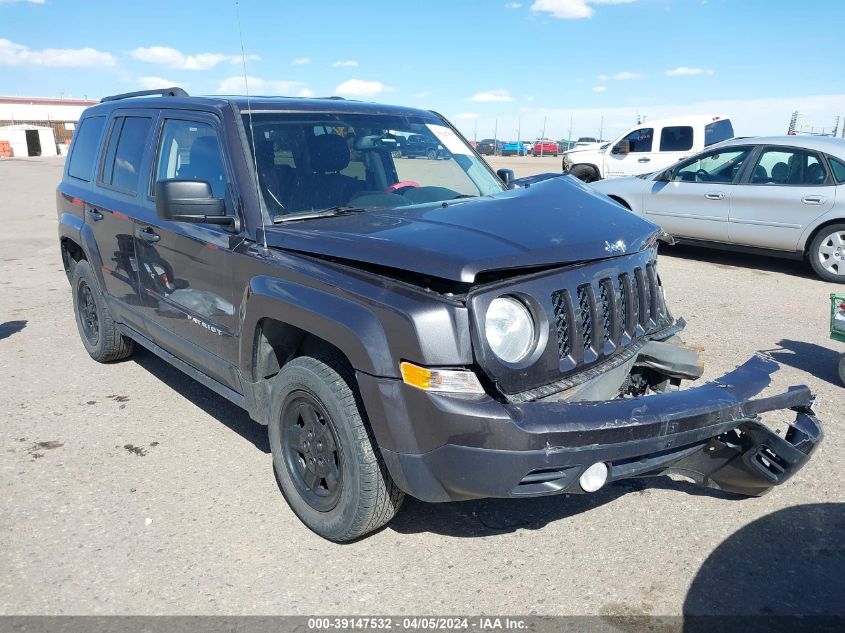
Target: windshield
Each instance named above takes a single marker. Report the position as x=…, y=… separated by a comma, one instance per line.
x=311, y=162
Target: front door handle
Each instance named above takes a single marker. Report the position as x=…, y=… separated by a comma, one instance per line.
x=714, y=195
x=813, y=199
x=94, y=214
x=644, y=160
x=147, y=234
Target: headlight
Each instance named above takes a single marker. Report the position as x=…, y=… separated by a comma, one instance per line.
x=509, y=328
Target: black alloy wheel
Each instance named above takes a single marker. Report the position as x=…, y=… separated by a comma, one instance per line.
x=312, y=453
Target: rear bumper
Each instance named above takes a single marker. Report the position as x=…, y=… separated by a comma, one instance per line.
x=711, y=433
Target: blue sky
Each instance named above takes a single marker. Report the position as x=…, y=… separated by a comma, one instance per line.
x=485, y=64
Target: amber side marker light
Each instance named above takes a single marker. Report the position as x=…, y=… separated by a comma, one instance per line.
x=440, y=380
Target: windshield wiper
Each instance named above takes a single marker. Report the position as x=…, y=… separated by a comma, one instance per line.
x=321, y=213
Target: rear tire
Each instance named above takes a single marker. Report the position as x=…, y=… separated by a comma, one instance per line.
x=324, y=456
x=431, y=154
x=827, y=253
x=98, y=331
x=584, y=173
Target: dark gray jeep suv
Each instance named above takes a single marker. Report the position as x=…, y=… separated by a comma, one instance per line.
x=401, y=326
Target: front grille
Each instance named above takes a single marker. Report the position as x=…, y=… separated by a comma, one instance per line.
x=608, y=314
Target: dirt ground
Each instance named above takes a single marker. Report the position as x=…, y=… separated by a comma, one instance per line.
x=130, y=489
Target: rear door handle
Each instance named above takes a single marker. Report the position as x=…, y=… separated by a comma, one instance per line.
x=714, y=195
x=644, y=160
x=813, y=199
x=147, y=234
x=94, y=214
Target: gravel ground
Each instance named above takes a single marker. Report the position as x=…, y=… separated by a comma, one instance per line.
x=130, y=489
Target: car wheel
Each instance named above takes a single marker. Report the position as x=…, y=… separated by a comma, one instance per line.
x=431, y=154
x=584, y=173
x=325, y=459
x=98, y=331
x=827, y=253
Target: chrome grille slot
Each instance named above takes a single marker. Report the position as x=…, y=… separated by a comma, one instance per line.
x=608, y=304
x=563, y=318
x=585, y=315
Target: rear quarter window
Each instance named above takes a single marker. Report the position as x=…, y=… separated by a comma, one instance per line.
x=677, y=138
x=718, y=131
x=84, y=146
x=838, y=169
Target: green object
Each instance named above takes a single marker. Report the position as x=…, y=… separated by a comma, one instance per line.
x=837, y=316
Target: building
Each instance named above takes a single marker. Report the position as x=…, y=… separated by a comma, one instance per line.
x=29, y=140
x=60, y=115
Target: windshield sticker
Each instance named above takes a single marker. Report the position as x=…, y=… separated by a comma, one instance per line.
x=450, y=140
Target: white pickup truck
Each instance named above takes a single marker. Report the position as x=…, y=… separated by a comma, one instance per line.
x=648, y=147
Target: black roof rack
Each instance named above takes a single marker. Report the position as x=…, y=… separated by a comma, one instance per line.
x=161, y=92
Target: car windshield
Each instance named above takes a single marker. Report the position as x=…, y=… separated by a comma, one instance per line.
x=313, y=162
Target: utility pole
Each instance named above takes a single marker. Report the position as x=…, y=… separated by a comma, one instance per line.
x=475, y=132
x=519, y=137
x=543, y=135
x=496, y=136
x=569, y=136
x=601, y=129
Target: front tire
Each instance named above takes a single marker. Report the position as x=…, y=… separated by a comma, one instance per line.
x=325, y=458
x=432, y=154
x=98, y=331
x=827, y=253
x=584, y=173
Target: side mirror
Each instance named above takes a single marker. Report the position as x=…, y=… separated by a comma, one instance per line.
x=506, y=176
x=664, y=176
x=622, y=147
x=189, y=201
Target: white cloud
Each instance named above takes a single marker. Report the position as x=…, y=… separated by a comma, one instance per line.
x=492, y=96
x=424, y=93
x=466, y=116
x=173, y=58
x=260, y=86
x=12, y=54
x=27, y=1
x=513, y=5
x=686, y=71
x=300, y=61
x=571, y=9
x=599, y=88
x=151, y=83
x=625, y=75
x=345, y=63
x=360, y=88
x=603, y=77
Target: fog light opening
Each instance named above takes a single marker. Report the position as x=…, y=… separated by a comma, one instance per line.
x=594, y=477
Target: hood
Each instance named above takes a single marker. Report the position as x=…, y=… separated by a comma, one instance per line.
x=554, y=222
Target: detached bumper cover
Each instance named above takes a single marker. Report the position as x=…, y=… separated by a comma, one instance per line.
x=711, y=433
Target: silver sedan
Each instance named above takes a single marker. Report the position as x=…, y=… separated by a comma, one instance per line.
x=780, y=195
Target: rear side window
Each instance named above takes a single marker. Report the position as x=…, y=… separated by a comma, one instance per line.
x=122, y=166
x=676, y=139
x=718, y=131
x=838, y=168
x=84, y=147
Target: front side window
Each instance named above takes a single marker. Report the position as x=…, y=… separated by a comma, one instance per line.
x=84, y=147
x=788, y=167
x=640, y=140
x=677, y=138
x=315, y=161
x=719, y=166
x=190, y=150
x=122, y=165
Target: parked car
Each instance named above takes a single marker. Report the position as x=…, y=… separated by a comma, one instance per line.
x=452, y=337
x=782, y=195
x=544, y=147
x=422, y=146
x=489, y=147
x=514, y=148
x=648, y=147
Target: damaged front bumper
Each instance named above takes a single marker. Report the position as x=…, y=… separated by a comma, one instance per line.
x=712, y=434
